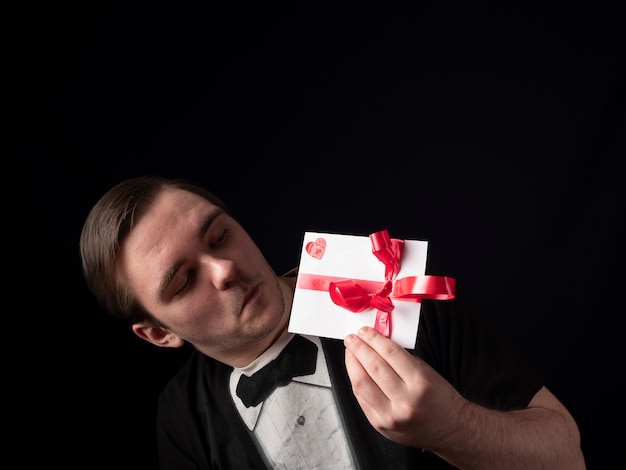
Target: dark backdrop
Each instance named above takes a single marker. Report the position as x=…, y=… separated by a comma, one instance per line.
x=495, y=130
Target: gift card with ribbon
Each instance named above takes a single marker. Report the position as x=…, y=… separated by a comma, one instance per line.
x=347, y=281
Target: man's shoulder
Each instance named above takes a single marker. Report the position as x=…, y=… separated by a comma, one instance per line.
x=198, y=377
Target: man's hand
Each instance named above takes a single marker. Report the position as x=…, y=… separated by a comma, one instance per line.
x=403, y=397
x=408, y=402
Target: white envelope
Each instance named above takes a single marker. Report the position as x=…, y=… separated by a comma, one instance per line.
x=348, y=256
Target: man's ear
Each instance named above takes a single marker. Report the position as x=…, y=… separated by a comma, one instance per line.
x=157, y=335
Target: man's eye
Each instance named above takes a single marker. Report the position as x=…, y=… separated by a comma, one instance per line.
x=184, y=286
x=220, y=240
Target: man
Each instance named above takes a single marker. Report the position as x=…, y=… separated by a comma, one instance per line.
x=166, y=256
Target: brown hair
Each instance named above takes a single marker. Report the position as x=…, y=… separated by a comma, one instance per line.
x=108, y=222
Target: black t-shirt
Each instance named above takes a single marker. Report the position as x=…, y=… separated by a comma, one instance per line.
x=198, y=426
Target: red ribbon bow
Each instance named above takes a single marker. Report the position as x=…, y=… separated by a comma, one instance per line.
x=358, y=295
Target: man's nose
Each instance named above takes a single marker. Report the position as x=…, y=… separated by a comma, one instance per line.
x=221, y=272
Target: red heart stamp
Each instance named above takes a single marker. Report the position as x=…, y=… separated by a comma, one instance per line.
x=317, y=248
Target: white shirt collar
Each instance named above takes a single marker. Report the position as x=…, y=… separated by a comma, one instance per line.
x=320, y=377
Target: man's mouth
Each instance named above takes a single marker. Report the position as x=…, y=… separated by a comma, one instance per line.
x=250, y=296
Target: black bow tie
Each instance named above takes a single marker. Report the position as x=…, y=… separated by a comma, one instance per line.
x=297, y=358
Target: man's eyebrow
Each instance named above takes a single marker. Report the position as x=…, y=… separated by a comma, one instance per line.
x=174, y=268
x=169, y=275
x=208, y=220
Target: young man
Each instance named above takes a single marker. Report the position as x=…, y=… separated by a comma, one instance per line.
x=166, y=256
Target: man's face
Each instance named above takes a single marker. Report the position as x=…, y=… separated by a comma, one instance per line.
x=197, y=271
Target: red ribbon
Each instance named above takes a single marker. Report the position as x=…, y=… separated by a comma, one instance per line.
x=358, y=295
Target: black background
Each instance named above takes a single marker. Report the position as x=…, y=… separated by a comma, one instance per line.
x=495, y=131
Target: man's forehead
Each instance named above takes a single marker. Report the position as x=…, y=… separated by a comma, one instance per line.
x=174, y=205
x=153, y=245
x=172, y=212
x=176, y=196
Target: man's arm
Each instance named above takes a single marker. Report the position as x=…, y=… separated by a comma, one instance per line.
x=408, y=402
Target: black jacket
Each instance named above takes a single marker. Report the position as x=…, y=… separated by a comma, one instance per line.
x=198, y=426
